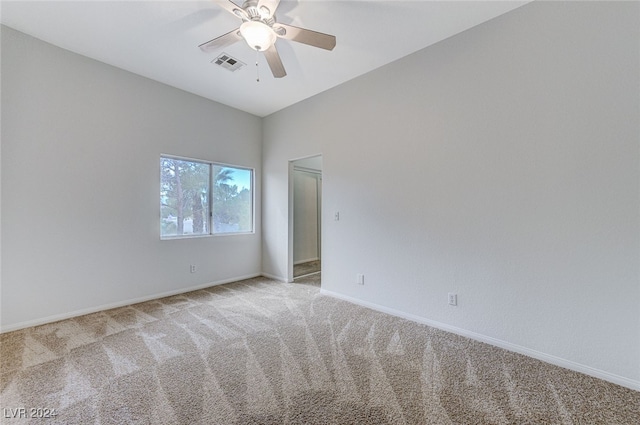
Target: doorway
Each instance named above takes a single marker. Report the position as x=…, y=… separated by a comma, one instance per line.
x=305, y=208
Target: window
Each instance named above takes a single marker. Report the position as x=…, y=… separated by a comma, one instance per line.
x=203, y=198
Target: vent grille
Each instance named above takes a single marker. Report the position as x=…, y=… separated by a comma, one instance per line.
x=228, y=62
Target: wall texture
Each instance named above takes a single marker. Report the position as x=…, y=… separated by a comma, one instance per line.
x=81, y=143
x=501, y=164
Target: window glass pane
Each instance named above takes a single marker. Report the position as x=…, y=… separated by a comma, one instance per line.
x=232, y=199
x=184, y=197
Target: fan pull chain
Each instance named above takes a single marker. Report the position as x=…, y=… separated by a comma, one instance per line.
x=257, y=68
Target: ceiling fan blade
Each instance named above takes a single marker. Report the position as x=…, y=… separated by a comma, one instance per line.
x=272, y=5
x=222, y=41
x=232, y=8
x=274, y=61
x=302, y=35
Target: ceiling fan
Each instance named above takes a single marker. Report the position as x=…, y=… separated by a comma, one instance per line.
x=260, y=30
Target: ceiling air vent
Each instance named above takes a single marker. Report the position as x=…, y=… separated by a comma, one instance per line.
x=228, y=62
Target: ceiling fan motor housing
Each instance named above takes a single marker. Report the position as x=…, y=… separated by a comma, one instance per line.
x=256, y=13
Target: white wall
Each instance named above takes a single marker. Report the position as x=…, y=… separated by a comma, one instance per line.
x=81, y=143
x=501, y=164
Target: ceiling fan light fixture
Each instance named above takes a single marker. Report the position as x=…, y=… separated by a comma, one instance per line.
x=258, y=36
x=260, y=30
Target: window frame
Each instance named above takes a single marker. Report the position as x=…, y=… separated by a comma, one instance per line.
x=210, y=224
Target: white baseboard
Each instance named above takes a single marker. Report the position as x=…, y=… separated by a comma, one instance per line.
x=82, y=312
x=305, y=261
x=548, y=358
x=274, y=277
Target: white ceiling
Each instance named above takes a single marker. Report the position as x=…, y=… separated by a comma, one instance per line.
x=159, y=40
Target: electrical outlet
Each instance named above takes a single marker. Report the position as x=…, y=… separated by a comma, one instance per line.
x=360, y=279
x=192, y=268
x=453, y=299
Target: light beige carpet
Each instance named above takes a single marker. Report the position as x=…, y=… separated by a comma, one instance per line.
x=263, y=352
x=303, y=269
